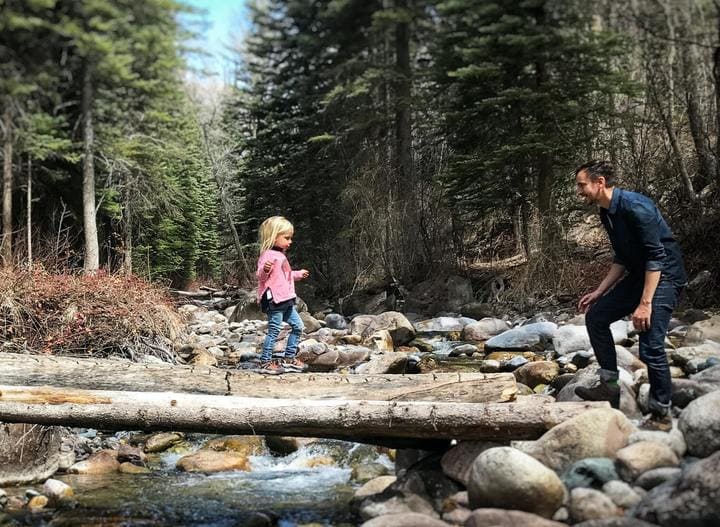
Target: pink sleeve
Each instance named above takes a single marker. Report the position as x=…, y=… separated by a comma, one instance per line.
x=297, y=275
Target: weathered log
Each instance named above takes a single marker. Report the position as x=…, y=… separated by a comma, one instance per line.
x=104, y=374
x=28, y=452
x=300, y=417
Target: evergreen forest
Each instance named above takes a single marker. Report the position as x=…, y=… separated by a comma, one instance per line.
x=403, y=138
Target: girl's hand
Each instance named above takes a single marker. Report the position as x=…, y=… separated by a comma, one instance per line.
x=304, y=273
x=267, y=267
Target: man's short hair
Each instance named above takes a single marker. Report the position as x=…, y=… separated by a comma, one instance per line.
x=596, y=168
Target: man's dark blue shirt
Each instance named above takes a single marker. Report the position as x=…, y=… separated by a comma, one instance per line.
x=641, y=238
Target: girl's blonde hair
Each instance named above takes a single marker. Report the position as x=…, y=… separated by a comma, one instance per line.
x=270, y=229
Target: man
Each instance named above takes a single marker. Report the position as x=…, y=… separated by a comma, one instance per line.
x=648, y=276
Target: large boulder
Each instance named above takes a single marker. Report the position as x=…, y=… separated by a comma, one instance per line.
x=397, y=324
x=710, y=327
x=599, y=432
x=508, y=518
x=443, y=293
x=531, y=337
x=637, y=458
x=693, y=500
x=405, y=519
x=28, y=453
x=700, y=424
x=484, y=328
x=506, y=478
x=571, y=338
x=457, y=462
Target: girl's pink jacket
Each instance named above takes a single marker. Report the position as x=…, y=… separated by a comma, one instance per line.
x=281, y=278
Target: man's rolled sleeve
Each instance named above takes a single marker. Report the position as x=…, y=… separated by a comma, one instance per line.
x=648, y=228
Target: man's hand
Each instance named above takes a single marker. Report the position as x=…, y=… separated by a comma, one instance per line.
x=641, y=317
x=304, y=273
x=267, y=267
x=588, y=300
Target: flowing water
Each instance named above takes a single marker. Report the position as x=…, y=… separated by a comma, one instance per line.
x=311, y=486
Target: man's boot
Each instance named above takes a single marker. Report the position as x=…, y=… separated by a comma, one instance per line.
x=659, y=418
x=607, y=389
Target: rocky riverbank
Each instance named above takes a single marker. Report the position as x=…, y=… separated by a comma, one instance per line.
x=597, y=469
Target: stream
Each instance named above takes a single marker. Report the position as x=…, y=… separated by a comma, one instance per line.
x=312, y=486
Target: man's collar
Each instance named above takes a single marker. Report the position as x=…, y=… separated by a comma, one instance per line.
x=614, y=201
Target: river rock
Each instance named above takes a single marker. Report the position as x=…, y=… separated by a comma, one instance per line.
x=523, y=338
x=390, y=502
x=685, y=356
x=210, y=461
x=538, y=372
x=57, y=491
x=571, y=337
x=692, y=500
x=244, y=445
x=310, y=322
x=710, y=327
x=504, y=477
x=591, y=472
x=409, y=519
x=621, y=494
x=642, y=456
x=590, y=504
x=484, y=329
x=374, y=486
x=674, y=439
x=700, y=424
x=438, y=325
x=457, y=462
x=162, y=441
x=487, y=517
x=131, y=454
x=395, y=362
x=615, y=522
x=380, y=342
x=599, y=432
x=685, y=391
x=335, y=321
x=657, y=476
x=397, y=324
x=102, y=462
x=130, y=468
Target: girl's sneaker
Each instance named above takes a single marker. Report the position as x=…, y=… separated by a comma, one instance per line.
x=272, y=367
x=294, y=365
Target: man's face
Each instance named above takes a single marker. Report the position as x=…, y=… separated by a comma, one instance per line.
x=587, y=189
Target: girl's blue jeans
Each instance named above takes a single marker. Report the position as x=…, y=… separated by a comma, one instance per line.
x=275, y=320
x=622, y=301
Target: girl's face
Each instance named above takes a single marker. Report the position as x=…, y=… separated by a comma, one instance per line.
x=284, y=240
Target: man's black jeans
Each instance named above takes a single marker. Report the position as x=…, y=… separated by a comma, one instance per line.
x=620, y=302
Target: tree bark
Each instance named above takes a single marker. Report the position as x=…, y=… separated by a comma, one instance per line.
x=6, y=244
x=67, y=372
x=92, y=249
x=337, y=418
x=706, y=160
x=29, y=215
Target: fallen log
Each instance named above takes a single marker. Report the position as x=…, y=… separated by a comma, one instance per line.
x=345, y=419
x=122, y=375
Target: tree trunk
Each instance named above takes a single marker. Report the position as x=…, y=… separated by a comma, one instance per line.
x=127, y=266
x=92, y=249
x=337, y=418
x=6, y=244
x=666, y=117
x=403, y=88
x=29, y=215
x=67, y=372
x=703, y=151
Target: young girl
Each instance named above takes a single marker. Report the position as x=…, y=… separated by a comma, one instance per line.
x=276, y=294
